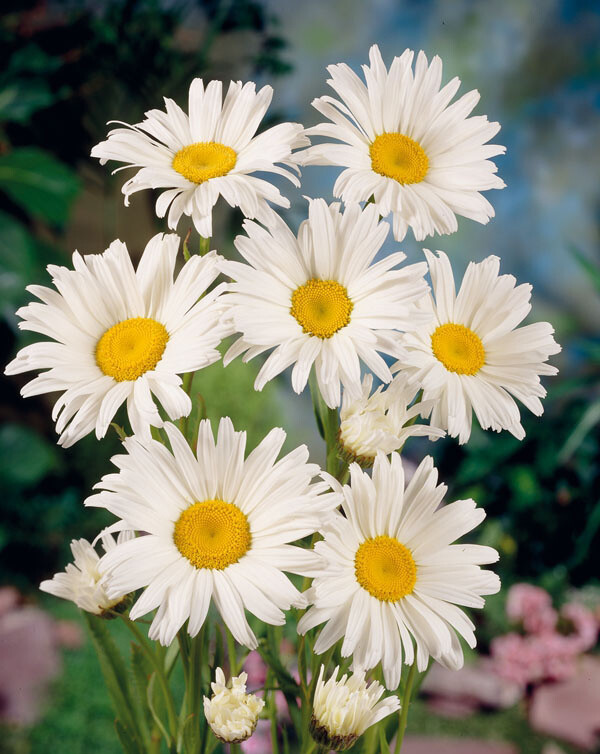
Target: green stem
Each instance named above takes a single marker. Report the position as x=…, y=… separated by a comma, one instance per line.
x=334, y=465
x=328, y=423
x=405, y=705
x=186, y=247
x=231, y=652
x=302, y=664
x=160, y=673
x=272, y=710
x=188, y=379
x=204, y=246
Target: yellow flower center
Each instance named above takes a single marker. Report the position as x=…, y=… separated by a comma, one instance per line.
x=322, y=307
x=212, y=534
x=385, y=568
x=204, y=160
x=399, y=157
x=131, y=347
x=458, y=348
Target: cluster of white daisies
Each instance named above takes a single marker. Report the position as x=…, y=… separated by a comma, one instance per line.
x=216, y=525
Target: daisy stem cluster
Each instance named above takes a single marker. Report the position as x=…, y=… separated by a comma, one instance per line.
x=216, y=542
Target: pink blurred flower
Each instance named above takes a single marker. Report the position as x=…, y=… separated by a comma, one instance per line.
x=532, y=606
x=516, y=659
x=534, y=658
x=558, y=656
x=256, y=669
x=585, y=626
x=283, y=712
x=260, y=741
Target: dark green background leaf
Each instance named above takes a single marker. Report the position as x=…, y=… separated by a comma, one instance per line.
x=39, y=183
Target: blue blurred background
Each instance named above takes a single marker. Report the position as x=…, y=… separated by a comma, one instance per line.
x=68, y=67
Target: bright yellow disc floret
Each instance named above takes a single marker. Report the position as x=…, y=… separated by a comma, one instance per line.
x=321, y=307
x=458, y=348
x=212, y=534
x=130, y=348
x=399, y=157
x=204, y=160
x=385, y=568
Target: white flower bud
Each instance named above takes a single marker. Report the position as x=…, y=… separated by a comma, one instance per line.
x=232, y=713
x=83, y=581
x=344, y=709
x=378, y=422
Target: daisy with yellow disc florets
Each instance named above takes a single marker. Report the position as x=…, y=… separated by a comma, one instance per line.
x=319, y=299
x=210, y=152
x=405, y=146
x=472, y=357
x=392, y=575
x=218, y=528
x=121, y=335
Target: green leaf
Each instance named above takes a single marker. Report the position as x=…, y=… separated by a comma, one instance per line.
x=384, y=747
x=18, y=262
x=591, y=269
x=33, y=59
x=114, y=672
x=25, y=456
x=39, y=183
x=20, y=99
x=152, y=707
x=590, y=418
x=189, y=733
x=142, y=670
x=127, y=739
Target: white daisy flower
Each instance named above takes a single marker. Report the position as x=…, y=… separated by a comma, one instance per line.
x=471, y=356
x=81, y=580
x=344, y=709
x=403, y=144
x=121, y=335
x=218, y=527
x=211, y=152
x=382, y=421
x=232, y=713
x=391, y=571
x=318, y=299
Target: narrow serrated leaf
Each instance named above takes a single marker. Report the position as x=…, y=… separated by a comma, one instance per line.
x=152, y=708
x=127, y=739
x=114, y=671
x=141, y=670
